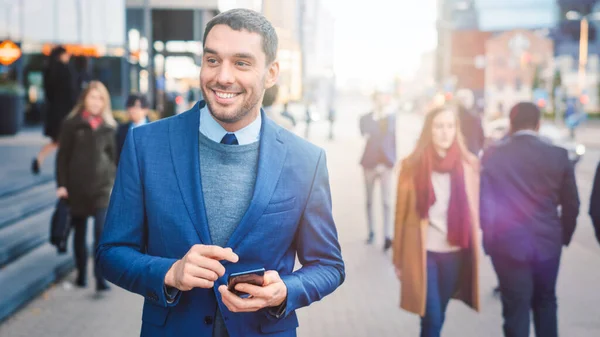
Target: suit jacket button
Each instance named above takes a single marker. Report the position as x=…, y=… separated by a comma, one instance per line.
x=208, y=320
x=151, y=295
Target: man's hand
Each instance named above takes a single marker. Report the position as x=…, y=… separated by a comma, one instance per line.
x=62, y=193
x=273, y=293
x=199, y=268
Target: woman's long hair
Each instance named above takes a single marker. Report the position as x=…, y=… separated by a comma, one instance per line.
x=426, y=139
x=107, y=115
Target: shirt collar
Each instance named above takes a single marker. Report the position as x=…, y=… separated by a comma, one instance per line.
x=142, y=122
x=526, y=132
x=210, y=128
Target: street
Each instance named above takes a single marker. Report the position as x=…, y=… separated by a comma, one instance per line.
x=367, y=303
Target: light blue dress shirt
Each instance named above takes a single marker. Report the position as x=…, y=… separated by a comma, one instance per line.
x=215, y=132
x=142, y=122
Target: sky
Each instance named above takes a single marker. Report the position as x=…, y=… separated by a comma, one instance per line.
x=379, y=39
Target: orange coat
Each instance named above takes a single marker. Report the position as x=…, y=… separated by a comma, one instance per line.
x=409, y=252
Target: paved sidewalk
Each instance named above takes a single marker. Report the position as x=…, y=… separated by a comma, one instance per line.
x=16, y=154
x=589, y=134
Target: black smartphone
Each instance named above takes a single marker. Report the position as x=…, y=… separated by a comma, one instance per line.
x=255, y=277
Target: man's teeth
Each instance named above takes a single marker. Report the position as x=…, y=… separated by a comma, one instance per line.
x=224, y=95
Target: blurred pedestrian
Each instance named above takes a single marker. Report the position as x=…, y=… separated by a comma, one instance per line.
x=332, y=116
x=378, y=159
x=268, y=104
x=61, y=94
x=86, y=170
x=137, y=106
x=436, y=245
x=331, y=108
x=83, y=74
x=524, y=182
x=595, y=203
x=308, y=119
x=288, y=115
x=470, y=122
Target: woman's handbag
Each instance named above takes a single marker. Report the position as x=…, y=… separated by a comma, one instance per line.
x=60, y=226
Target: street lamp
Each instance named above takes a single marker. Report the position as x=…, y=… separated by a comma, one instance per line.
x=583, y=54
x=583, y=43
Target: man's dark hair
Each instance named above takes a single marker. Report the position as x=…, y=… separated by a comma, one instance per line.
x=55, y=54
x=245, y=19
x=134, y=98
x=523, y=116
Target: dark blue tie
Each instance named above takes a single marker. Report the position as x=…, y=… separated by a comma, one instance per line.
x=229, y=139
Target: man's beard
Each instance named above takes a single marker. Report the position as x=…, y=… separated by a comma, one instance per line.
x=247, y=106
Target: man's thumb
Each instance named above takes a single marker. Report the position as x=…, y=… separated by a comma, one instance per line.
x=271, y=276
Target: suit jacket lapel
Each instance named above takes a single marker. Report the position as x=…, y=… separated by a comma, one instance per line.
x=271, y=157
x=183, y=135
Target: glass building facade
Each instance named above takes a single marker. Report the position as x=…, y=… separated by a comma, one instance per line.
x=502, y=15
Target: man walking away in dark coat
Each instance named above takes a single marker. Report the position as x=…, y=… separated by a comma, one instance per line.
x=524, y=181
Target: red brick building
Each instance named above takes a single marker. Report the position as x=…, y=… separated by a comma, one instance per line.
x=467, y=62
x=512, y=60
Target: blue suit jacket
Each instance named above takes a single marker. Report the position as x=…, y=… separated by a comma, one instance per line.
x=157, y=214
x=523, y=182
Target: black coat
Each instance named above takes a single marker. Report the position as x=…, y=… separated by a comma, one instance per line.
x=595, y=203
x=523, y=181
x=122, y=132
x=86, y=165
x=60, y=90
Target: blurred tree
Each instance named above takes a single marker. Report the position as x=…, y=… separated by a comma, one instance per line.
x=537, y=81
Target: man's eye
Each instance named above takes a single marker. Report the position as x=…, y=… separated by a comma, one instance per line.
x=211, y=61
x=242, y=64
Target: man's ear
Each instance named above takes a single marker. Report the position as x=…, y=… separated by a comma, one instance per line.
x=272, y=74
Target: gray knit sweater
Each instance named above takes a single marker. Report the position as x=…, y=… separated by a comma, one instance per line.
x=228, y=175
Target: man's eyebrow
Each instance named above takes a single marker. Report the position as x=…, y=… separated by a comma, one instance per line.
x=245, y=56
x=210, y=51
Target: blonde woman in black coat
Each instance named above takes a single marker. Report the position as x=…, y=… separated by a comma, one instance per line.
x=86, y=167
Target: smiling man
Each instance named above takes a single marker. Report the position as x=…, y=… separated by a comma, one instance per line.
x=222, y=189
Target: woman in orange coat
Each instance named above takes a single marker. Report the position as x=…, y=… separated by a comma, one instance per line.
x=436, y=241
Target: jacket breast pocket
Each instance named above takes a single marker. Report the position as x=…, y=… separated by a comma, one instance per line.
x=280, y=206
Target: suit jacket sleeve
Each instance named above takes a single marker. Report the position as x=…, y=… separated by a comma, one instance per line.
x=121, y=251
x=487, y=212
x=317, y=247
x=367, y=124
x=595, y=202
x=569, y=201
